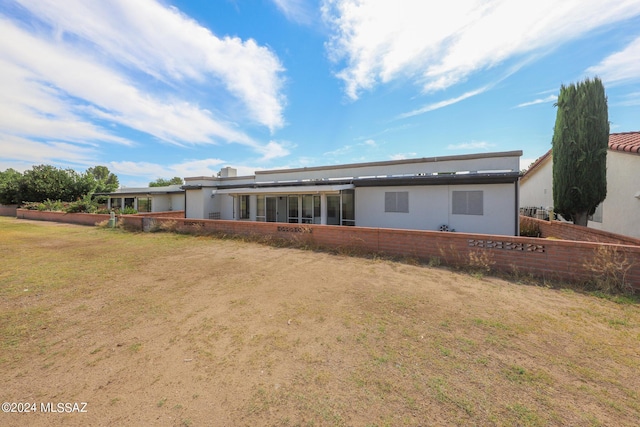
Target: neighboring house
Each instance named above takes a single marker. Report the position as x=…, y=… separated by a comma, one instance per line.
x=147, y=199
x=469, y=193
x=620, y=211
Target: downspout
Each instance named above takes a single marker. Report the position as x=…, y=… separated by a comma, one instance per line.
x=185, y=203
x=517, y=189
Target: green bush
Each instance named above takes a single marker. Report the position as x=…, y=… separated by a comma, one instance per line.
x=84, y=205
x=129, y=210
x=47, y=205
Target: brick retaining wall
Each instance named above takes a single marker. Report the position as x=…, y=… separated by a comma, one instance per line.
x=167, y=214
x=568, y=231
x=544, y=258
x=71, y=218
x=8, y=210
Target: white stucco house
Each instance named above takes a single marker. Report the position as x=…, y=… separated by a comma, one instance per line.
x=475, y=193
x=620, y=211
x=147, y=199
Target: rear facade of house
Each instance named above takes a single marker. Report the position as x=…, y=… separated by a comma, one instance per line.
x=470, y=193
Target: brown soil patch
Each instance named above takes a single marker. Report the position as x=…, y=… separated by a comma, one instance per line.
x=162, y=329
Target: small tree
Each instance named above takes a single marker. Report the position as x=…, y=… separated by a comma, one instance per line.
x=106, y=181
x=160, y=182
x=579, y=149
x=10, y=187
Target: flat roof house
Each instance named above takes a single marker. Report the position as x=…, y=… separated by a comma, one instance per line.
x=147, y=199
x=475, y=193
x=620, y=211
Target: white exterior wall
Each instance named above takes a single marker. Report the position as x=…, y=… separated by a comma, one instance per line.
x=226, y=207
x=431, y=206
x=621, y=208
x=429, y=166
x=536, y=190
x=177, y=202
x=161, y=203
x=195, y=207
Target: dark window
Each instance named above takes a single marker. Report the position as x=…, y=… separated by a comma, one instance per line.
x=144, y=204
x=244, y=207
x=396, y=201
x=467, y=203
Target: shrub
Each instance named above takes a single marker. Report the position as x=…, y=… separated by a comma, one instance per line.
x=82, y=205
x=609, y=268
x=529, y=229
x=51, y=205
x=129, y=210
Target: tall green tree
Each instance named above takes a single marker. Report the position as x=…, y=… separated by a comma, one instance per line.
x=10, y=187
x=106, y=181
x=160, y=182
x=579, y=149
x=48, y=182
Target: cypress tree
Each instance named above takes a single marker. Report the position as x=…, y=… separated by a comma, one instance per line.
x=579, y=149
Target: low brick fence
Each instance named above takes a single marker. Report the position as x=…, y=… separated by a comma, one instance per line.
x=8, y=210
x=544, y=258
x=71, y=218
x=167, y=214
x=568, y=231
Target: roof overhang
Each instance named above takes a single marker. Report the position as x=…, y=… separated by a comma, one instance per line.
x=294, y=189
x=449, y=179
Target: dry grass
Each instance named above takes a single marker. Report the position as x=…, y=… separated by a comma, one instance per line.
x=168, y=329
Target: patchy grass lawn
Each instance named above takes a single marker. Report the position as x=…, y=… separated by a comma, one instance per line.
x=166, y=329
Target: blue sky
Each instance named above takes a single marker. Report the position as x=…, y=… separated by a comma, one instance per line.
x=156, y=89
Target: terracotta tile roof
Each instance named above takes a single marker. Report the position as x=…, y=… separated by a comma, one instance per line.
x=626, y=141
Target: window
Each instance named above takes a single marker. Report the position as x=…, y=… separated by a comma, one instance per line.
x=396, y=201
x=316, y=210
x=144, y=204
x=467, y=203
x=293, y=208
x=307, y=209
x=333, y=210
x=348, y=208
x=244, y=207
x=129, y=202
x=260, y=209
x=116, y=203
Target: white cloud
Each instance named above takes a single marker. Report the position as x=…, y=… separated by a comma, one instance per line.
x=339, y=151
x=623, y=66
x=25, y=151
x=139, y=65
x=403, y=156
x=442, y=104
x=296, y=10
x=273, y=150
x=440, y=45
x=629, y=100
x=550, y=98
x=203, y=167
x=162, y=42
x=473, y=145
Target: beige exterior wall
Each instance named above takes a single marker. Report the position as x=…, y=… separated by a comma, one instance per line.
x=536, y=190
x=621, y=208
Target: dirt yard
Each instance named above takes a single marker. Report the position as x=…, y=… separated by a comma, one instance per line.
x=171, y=330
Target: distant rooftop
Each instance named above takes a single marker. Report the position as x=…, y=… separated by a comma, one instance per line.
x=625, y=141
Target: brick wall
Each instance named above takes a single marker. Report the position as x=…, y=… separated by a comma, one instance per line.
x=71, y=218
x=8, y=210
x=543, y=258
x=568, y=231
x=167, y=214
